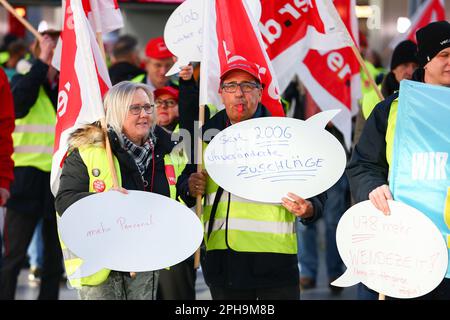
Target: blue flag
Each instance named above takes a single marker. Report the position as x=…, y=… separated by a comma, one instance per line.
x=420, y=173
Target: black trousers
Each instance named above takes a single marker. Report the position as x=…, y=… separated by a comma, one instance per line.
x=178, y=283
x=18, y=232
x=276, y=293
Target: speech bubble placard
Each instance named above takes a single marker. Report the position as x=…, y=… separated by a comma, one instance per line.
x=402, y=255
x=139, y=231
x=265, y=158
x=183, y=33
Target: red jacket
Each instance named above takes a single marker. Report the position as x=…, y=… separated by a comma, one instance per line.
x=6, y=130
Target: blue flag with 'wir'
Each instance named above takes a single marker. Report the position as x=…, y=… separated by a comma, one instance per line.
x=420, y=172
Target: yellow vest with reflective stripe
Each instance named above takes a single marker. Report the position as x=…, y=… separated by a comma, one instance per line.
x=370, y=100
x=34, y=135
x=390, y=131
x=250, y=226
x=95, y=158
x=138, y=78
x=4, y=56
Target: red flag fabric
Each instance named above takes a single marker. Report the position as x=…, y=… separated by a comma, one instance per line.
x=291, y=28
x=330, y=72
x=104, y=15
x=429, y=11
x=83, y=81
x=233, y=34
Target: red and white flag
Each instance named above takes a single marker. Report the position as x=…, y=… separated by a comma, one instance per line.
x=291, y=28
x=233, y=34
x=83, y=81
x=429, y=11
x=104, y=15
x=323, y=60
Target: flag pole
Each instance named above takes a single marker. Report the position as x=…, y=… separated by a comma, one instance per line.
x=21, y=20
x=109, y=154
x=349, y=40
x=366, y=71
x=198, y=206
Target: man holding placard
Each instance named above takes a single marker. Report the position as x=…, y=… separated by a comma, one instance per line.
x=372, y=158
x=251, y=250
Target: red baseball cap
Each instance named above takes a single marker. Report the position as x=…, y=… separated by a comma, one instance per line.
x=171, y=91
x=243, y=65
x=157, y=49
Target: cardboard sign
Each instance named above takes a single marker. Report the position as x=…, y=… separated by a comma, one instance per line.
x=139, y=231
x=402, y=255
x=263, y=159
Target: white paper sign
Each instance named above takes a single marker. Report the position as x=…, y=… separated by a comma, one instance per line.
x=184, y=31
x=139, y=231
x=183, y=34
x=402, y=255
x=265, y=158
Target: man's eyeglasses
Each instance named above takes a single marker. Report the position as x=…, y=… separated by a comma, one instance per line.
x=137, y=109
x=169, y=103
x=246, y=87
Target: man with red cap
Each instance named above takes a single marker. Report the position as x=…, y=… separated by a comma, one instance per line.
x=242, y=261
x=158, y=61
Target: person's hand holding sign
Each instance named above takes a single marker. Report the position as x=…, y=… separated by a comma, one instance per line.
x=298, y=206
x=197, y=183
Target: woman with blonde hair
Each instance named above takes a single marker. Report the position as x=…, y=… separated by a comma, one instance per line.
x=141, y=152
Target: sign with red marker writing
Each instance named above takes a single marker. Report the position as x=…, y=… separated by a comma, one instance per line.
x=402, y=255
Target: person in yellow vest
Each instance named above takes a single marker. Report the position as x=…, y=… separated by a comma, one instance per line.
x=369, y=165
x=142, y=152
x=403, y=65
x=241, y=260
x=159, y=60
x=125, y=60
x=178, y=281
x=35, y=100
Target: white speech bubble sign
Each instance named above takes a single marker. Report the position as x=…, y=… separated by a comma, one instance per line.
x=139, y=231
x=265, y=158
x=402, y=255
x=183, y=33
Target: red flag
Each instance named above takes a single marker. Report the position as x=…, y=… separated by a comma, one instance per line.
x=104, y=15
x=429, y=11
x=331, y=73
x=83, y=81
x=233, y=34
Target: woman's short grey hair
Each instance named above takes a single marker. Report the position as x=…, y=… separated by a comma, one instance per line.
x=117, y=101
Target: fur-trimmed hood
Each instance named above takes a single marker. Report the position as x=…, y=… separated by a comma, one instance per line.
x=91, y=134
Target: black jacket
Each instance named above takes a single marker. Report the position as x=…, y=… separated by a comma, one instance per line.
x=30, y=191
x=123, y=71
x=245, y=270
x=368, y=167
x=74, y=182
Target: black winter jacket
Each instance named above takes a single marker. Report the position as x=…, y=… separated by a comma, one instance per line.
x=74, y=181
x=368, y=167
x=30, y=190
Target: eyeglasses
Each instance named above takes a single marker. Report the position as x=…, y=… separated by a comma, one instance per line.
x=246, y=87
x=169, y=103
x=137, y=109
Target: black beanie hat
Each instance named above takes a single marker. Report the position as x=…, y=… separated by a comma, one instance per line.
x=405, y=51
x=431, y=39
